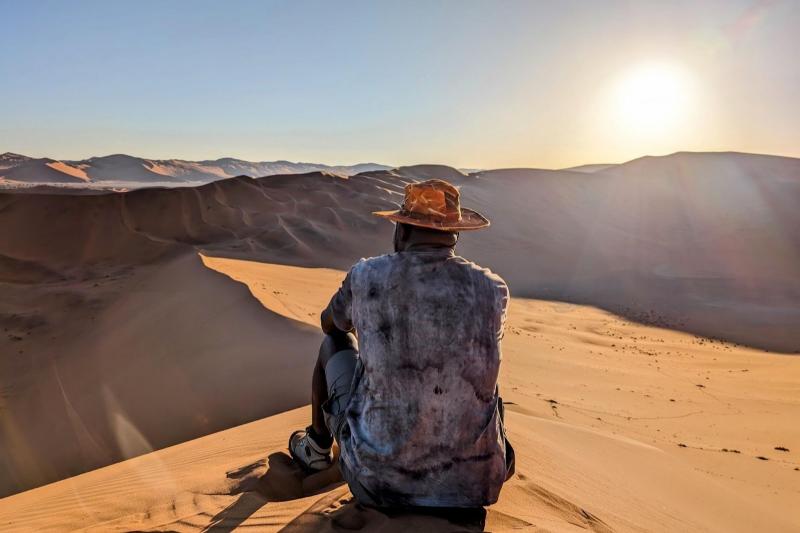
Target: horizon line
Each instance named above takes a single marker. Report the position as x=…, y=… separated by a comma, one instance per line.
x=393, y=166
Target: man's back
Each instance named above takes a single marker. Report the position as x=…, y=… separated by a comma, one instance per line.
x=422, y=426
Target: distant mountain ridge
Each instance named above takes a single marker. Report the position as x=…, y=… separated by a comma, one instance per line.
x=122, y=171
x=122, y=168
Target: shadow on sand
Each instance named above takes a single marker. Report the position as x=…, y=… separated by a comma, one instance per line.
x=351, y=516
x=334, y=510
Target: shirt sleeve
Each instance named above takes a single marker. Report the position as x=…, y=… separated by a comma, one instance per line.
x=502, y=307
x=341, y=305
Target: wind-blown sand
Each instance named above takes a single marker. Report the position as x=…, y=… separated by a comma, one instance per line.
x=612, y=428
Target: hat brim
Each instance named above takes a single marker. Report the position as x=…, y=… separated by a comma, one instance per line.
x=470, y=220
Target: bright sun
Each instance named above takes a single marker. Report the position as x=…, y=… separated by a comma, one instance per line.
x=652, y=99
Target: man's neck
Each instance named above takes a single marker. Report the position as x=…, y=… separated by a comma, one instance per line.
x=430, y=247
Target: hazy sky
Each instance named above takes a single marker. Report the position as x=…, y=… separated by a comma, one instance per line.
x=471, y=84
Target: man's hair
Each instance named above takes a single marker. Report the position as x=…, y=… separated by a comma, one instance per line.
x=422, y=232
x=408, y=233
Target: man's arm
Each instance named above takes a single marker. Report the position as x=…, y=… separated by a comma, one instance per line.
x=328, y=324
x=337, y=317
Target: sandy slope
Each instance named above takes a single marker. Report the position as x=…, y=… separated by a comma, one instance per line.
x=598, y=410
x=100, y=370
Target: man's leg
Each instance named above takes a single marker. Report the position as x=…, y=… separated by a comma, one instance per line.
x=331, y=344
x=335, y=363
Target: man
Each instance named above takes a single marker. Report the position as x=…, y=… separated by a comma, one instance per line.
x=413, y=403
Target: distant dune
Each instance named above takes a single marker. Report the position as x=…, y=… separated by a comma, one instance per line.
x=15, y=168
x=707, y=242
x=590, y=168
x=135, y=172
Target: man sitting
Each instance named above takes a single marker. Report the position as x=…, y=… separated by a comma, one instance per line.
x=413, y=400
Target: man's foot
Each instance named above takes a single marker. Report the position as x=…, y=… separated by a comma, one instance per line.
x=307, y=453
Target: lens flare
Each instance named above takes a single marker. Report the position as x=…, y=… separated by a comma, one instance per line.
x=652, y=99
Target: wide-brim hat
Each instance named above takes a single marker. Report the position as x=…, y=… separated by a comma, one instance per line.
x=435, y=204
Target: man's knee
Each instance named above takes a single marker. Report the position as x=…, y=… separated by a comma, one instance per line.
x=336, y=342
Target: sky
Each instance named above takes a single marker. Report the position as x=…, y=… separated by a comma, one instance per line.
x=465, y=83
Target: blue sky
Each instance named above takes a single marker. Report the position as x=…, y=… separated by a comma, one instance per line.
x=472, y=84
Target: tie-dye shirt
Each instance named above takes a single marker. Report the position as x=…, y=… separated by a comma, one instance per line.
x=423, y=426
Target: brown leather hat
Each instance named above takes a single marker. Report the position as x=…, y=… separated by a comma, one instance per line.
x=435, y=204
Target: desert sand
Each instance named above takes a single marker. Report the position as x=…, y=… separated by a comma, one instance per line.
x=139, y=326
x=618, y=427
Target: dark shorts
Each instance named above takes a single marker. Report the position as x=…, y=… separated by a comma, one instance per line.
x=339, y=374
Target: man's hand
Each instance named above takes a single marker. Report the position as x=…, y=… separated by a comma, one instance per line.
x=328, y=325
x=326, y=321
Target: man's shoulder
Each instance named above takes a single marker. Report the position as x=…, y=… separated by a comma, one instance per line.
x=481, y=271
x=384, y=263
x=371, y=263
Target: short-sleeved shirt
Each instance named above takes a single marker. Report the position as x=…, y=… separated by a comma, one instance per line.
x=422, y=427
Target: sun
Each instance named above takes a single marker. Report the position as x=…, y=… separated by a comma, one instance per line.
x=652, y=99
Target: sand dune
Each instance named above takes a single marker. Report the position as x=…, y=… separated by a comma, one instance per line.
x=296, y=217
x=705, y=242
x=137, y=172
x=64, y=168
x=117, y=340
x=100, y=370
x=709, y=243
x=21, y=169
x=590, y=168
x=611, y=429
